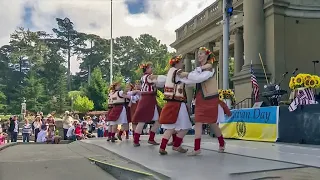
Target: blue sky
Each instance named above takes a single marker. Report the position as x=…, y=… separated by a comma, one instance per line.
x=93, y=16
x=27, y=15
x=133, y=6
x=136, y=6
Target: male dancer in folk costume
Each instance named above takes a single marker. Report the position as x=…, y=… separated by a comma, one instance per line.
x=118, y=114
x=174, y=115
x=208, y=108
x=148, y=109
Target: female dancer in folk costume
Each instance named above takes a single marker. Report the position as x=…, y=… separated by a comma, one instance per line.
x=118, y=114
x=208, y=108
x=135, y=96
x=174, y=115
x=129, y=93
x=110, y=106
x=148, y=109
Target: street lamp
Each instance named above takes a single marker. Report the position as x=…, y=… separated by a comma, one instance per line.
x=23, y=107
x=67, y=20
x=111, y=45
x=227, y=13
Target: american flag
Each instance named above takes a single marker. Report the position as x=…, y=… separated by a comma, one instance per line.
x=304, y=97
x=255, y=85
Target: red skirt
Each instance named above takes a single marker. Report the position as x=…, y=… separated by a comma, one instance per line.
x=145, y=109
x=114, y=113
x=206, y=110
x=133, y=109
x=170, y=112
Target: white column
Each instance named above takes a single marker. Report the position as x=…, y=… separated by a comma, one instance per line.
x=220, y=64
x=254, y=31
x=188, y=68
x=238, y=50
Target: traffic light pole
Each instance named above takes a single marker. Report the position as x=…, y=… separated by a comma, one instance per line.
x=226, y=24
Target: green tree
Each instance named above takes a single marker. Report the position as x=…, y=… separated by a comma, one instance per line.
x=70, y=41
x=33, y=92
x=75, y=94
x=160, y=100
x=97, y=90
x=2, y=101
x=95, y=54
x=83, y=104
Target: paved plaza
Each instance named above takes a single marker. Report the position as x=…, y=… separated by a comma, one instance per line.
x=243, y=160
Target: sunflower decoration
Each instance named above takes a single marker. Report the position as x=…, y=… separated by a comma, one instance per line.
x=175, y=60
x=304, y=80
x=317, y=81
x=292, y=83
x=299, y=80
x=227, y=94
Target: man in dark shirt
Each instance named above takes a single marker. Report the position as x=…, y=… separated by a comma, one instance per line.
x=14, y=128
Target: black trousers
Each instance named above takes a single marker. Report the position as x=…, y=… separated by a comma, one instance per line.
x=65, y=134
x=36, y=132
x=14, y=136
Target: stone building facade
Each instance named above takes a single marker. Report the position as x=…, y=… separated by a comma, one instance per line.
x=284, y=32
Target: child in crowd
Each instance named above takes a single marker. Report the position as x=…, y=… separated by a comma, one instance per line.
x=100, y=126
x=42, y=135
x=78, y=132
x=3, y=137
x=52, y=137
x=26, y=131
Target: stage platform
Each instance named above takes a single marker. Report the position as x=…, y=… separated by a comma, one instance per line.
x=242, y=160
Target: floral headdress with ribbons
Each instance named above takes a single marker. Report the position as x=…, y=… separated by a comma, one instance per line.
x=131, y=86
x=211, y=59
x=137, y=82
x=113, y=86
x=175, y=60
x=143, y=66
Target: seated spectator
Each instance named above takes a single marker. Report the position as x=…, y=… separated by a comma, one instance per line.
x=71, y=131
x=52, y=137
x=3, y=137
x=78, y=132
x=42, y=135
x=86, y=133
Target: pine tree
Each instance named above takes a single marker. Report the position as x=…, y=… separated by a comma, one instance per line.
x=97, y=90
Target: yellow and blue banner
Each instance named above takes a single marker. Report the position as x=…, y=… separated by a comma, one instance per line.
x=256, y=124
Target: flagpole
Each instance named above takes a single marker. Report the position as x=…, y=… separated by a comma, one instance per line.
x=111, y=47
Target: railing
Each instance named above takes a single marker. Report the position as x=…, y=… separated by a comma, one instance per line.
x=199, y=19
x=246, y=103
x=211, y=12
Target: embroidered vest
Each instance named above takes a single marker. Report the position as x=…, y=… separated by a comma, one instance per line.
x=146, y=86
x=110, y=99
x=117, y=99
x=209, y=88
x=174, y=90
